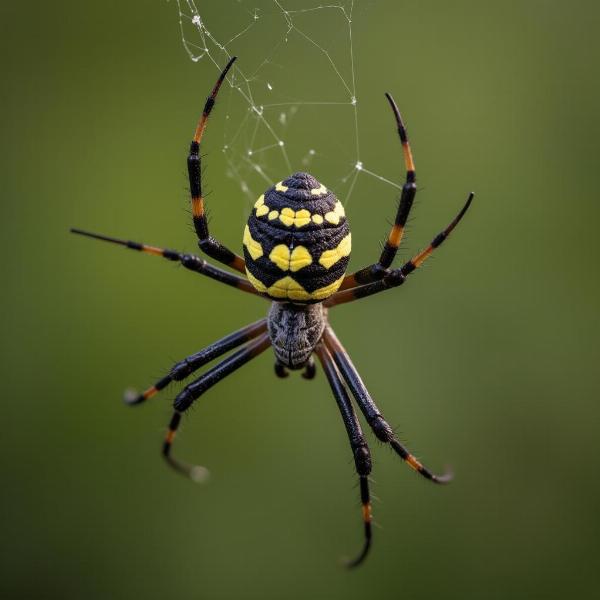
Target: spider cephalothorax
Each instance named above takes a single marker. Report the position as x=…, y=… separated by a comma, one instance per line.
x=297, y=241
x=296, y=248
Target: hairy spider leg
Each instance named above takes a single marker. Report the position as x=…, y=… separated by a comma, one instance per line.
x=360, y=449
x=369, y=409
x=396, y=277
x=208, y=244
x=377, y=271
x=189, y=261
x=194, y=390
x=184, y=368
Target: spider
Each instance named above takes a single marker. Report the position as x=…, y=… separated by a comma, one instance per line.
x=296, y=249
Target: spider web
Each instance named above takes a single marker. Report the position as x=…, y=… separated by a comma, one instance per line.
x=295, y=79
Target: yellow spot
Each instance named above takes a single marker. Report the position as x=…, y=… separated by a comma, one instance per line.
x=273, y=214
x=287, y=217
x=302, y=218
x=318, y=191
x=332, y=218
x=326, y=291
x=259, y=286
x=318, y=219
x=330, y=257
x=280, y=187
x=254, y=248
x=280, y=255
x=290, y=218
x=336, y=214
x=262, y=210
x=261, y=207
x=298, y=259
x=288, y=287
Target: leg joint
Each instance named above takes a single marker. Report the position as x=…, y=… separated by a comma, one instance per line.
x=381, y=428
x=362, y=460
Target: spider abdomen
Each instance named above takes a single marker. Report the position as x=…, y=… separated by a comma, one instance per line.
x=295, y=331
x=297, y=241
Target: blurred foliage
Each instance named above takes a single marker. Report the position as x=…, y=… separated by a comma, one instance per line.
x=486, y=360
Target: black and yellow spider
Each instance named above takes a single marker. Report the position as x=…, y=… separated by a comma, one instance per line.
x=296, y=249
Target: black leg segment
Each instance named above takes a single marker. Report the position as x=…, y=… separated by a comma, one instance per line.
x=208, y=244
x=360, y=450
x=397, y=277
x=189, y=261
x=183, y=369
x=376, y=271
x=194, y=390
x=369, y=409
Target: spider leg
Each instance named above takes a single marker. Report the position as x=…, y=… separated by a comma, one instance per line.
x=189, y=365
x=376, y=271
x=369, y=409
x=208, y=244
x=189, y=261
x=395, y=277
x=360, y=450
x=194, y=390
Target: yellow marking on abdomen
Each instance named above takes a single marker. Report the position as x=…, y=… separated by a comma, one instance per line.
x=254, y=248
x=318, y=191
x=331, y=257
x=336, y=214
x=291, y=218
x=298, y=258
x=279, y=187
x=261, y=207
x=302, y=218
x=288, y=287
x=273, y=215
x=258, y=285
x=287, y=216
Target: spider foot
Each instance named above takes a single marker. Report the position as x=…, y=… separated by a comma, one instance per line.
x=197, y=473
x=355, y=562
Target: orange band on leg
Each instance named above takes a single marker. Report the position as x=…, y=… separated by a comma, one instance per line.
x=366, y=513
x=395, y=236
x=198, y=207
x=408, y=159
x=413, y=462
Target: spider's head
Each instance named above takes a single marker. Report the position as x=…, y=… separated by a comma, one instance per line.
x=297, y=241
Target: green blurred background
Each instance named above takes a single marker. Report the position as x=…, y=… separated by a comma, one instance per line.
x=487, y=360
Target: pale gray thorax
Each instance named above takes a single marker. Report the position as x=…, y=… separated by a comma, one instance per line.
x=295, y=330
